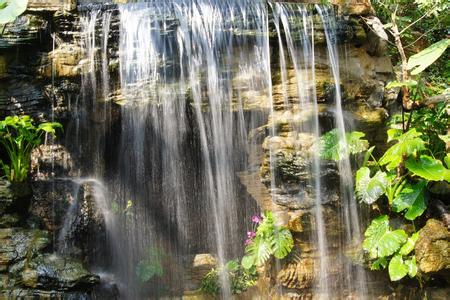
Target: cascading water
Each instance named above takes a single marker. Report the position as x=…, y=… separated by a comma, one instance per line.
x=301, y=52
x=349, y=212
x=193, y=79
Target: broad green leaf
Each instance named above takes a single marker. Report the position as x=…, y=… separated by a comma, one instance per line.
x=397, y=84
x=333, y=148
x=428, y=168
x=248, y=261
x=12, y=10
x=391, y=241
x=409, y=245
x=394, y=134
x=408, y=143
x=380, y=240
x=369, y=189
x=412, y=199
x=282, y=243
x=412, y=266
x=379, y=264
x=397, y=268
x=420, y=61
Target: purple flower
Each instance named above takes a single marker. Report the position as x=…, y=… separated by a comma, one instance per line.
x=256, y=219
x=248, y=242
x=251, y=234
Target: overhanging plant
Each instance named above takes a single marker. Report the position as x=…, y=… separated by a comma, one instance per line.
x=18, y=137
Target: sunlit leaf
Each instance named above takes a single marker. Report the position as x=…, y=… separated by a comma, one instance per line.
x=248, y=261
x=412, y=266
x=408, y=143
x=409, y=245
x=428, y=168
x=380, y=240
x=420, y=61
x=397, y=268
x=369, y=189
x=397, y=84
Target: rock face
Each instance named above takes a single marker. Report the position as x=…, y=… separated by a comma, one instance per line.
x=433, y=248
x=25, y=269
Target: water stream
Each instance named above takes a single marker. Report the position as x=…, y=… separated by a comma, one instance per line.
x=192, y=80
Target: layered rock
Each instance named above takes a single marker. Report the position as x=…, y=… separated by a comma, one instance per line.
x=433, y=248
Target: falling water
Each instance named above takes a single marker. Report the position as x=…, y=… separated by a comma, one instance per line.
x=349, y=212
x=297, y=25
x=190, y=77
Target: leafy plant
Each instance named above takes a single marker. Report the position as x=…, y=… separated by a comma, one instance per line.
x=333, y=148
x=268, y=239
x=391, y=248
x=240, y=278
x=19, y=136
x=11, y=9
x=151, y=266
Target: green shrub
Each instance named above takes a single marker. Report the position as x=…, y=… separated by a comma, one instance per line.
x=19, y=137
x=240, y=278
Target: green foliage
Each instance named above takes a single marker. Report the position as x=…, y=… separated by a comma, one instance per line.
x=151, y=266
x=428, y=168
x=369, y=189
x=381, y=240
x=11, y=9
x=412, y=199
x=240, y=278
x=332, y=147
x=388, y=247
x=408, y=144
x=19, y=136
x=422, y=60
x=398, y=84
x=269, y=240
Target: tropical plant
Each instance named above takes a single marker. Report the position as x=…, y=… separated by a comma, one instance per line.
x=152, y=265
x=19, y=136
x=268, y=239
x=332, y=147
x=240, y=278
x=404, y=20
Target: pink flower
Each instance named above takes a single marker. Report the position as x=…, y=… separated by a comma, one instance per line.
x=251, y=234
x=256, y=219
x=248, y=242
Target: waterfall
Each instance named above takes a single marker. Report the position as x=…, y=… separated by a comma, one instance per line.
x=190, y=81
x=349, y=211
x=301, y=53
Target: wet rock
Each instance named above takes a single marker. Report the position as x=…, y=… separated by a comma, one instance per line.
x=51, y=5
x=62, y=62
x=6, y=196
x=25, y=30
x=54, y=272
x=18, y=244
x=433, y=247
x=21, y=293
x=14, y=197
x=49, y=160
